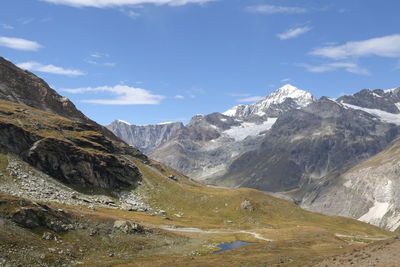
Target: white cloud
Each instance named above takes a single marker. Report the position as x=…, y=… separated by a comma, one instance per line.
x=96, y=56
x=250, y=99
x=105, y=64
x=293, y=33
x=19, y=44
x=285, y=80
x=99, y=55
x=386, y=46
x=6, y=26
x=179, y=97
x=125, y=95
x=120, y=3
x=35, y=66
x=271, y=9
x=333, y=66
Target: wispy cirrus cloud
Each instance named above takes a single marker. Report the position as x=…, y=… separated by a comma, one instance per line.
x=97, y=58
x=105, y=64
x=294, y=32
x=239, y=94
x=124, y=95
x=272, y=9
x=36, y=66
x=99, y=55
x=333, y=66
x=250, y=99
x=121, y=3
x=345, y=55
x=19, y=43
x=386, y=46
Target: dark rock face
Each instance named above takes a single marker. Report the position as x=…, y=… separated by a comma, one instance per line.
x=15, y=139
x=146, y=137
x=308, y=144
x=73, y=165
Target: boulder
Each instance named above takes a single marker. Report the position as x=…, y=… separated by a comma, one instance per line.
x=128, y=227
x=246, y=205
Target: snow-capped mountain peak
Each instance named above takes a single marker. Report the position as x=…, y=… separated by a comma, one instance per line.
x=269, y=105
x=301, y=97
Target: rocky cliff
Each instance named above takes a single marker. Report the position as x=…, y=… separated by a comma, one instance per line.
x=146, y=137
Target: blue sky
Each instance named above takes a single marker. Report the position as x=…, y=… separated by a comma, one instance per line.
x=149, y=61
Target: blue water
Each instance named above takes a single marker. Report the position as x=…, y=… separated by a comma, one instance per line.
x=228, y=246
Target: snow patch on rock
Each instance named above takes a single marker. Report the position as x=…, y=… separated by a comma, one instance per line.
x=246, y=129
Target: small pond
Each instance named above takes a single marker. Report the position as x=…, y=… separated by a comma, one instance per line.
x=228, y=246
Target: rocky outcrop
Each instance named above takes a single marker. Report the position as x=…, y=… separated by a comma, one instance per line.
x=32, y=215
x=146, y=137
x=128, y=227
x=73, y=165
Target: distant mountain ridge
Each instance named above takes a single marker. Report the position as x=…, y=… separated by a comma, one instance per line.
x=206, y=146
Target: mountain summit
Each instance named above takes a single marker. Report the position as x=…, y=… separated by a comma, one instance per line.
x=281, y=100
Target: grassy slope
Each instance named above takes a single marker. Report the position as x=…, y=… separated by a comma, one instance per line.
x=301, y=237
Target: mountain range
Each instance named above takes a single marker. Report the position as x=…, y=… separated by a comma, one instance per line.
x=294, y=144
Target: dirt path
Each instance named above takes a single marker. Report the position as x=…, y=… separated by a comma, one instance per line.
x=196, y=230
